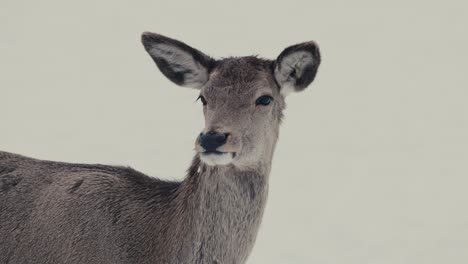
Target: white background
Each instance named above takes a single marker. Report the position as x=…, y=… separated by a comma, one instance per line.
x=371, y=165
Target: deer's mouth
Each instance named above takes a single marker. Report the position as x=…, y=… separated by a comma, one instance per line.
x=214, y=158
x=216, y=152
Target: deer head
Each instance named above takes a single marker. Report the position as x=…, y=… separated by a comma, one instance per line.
x=243, y=97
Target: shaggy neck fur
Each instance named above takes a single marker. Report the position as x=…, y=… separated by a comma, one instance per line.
x=226, y=207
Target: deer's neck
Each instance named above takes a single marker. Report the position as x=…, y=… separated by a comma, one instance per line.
x=226, y=206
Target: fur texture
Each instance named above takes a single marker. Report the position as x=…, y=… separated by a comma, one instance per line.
x=54, y=212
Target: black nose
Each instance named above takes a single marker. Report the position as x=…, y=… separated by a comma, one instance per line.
x=212, y=140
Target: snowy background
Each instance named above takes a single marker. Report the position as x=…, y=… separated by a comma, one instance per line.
x=372, y=161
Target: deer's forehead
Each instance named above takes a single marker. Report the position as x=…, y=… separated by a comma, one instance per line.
x=240, y=71
x=240, y=90
x=239, y=86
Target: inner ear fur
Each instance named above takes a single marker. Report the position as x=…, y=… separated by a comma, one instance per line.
x=296, y=67
x=180, y=63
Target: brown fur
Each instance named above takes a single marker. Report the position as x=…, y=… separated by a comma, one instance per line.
x=54, y=212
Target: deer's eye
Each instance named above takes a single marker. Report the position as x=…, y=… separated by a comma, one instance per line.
x=202, y=99
x=264, y=100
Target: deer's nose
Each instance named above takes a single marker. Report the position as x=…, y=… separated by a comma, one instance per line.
x=211, y=140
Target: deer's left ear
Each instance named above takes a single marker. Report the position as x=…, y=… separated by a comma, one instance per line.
x=296, y=67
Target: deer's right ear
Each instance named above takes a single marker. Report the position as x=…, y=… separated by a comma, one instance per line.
x=180, y=63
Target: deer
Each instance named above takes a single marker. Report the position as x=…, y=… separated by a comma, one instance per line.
x=58, y=212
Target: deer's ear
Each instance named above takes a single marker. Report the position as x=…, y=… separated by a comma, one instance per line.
x=180, y=63
x=296, y=67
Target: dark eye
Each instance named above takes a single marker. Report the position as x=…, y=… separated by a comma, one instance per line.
x=202, y=99
x=264, y=100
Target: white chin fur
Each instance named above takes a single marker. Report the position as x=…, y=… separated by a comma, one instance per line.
x=216, y=159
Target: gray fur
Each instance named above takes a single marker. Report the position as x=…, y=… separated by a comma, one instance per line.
x=54, y=212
